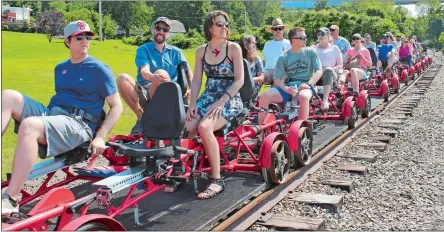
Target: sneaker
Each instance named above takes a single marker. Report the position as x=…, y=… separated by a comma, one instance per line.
x=8, y=206
x=137, y=129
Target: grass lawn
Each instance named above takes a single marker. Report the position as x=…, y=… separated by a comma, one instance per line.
x=28, y=62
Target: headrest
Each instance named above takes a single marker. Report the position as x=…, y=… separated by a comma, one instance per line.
x=373, y=56
x=247, y=90
x=164, y=116
x=182, y=78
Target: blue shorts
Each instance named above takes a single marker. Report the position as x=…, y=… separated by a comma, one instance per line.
x=285, y=96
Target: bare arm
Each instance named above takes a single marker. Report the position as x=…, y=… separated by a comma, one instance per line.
x=115, y=110
x=189, y=77
x=316, y=77
x=259, y=78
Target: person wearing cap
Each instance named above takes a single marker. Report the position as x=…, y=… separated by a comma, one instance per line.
x=406, y=52
x=82, y=85
x=365, y=60
x=274, y=48
x=151, y=58
x=339, y=41
x=300, y=66
x=331, y=61
x=385, y=53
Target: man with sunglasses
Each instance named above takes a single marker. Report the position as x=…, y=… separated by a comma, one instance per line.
x=298, y=66
x=339, y=41
x=82, y=85
x=274, y=48
x=385, y=52
x=150, y=58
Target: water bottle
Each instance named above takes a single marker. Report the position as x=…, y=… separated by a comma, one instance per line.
x=294, y=98
x=350, y=85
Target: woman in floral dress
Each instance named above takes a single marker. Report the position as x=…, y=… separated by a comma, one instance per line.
x=220, y=102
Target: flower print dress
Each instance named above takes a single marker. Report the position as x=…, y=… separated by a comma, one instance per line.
x=219, y=78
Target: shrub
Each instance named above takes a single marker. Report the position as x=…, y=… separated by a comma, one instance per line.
x=5, y=27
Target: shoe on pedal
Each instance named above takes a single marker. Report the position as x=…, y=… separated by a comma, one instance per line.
x=137, y=129
x=169, y=188
x=8, y=205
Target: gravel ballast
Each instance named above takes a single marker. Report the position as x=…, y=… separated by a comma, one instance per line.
x=404, y=188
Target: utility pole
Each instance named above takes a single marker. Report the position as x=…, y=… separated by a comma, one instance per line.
x=245, y=18
x=100, y=20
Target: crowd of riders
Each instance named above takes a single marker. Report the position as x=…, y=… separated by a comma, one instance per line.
x=83, y=84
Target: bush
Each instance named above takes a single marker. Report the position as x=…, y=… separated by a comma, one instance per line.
x=183, y=42
x=129, y=40
x=25, y=27
x=5, y=27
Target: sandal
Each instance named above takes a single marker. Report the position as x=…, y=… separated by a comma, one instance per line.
x=215, y=187
x=169, y=188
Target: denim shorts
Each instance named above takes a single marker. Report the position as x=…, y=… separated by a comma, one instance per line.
x=63, y=131
x=287, y=97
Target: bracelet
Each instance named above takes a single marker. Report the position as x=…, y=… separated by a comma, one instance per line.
x=229, y=95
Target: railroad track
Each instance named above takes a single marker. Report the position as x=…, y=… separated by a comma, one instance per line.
x=258, y=207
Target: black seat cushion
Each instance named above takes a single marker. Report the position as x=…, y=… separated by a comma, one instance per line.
x=164, y=116
x=131, y=149
x=181, y=78
x=247, y=89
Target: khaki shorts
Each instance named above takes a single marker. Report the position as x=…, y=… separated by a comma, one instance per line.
x=268, y=76
x=63, y=131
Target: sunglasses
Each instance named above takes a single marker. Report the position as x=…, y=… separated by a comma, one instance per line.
x=277, y=28
x=301, y=38
x=356, y=38
x=222, y=24
x=320, y=34
x=161, y=28
x=80, y=37
x=332, y=29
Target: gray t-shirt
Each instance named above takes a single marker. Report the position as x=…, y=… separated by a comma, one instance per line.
x=297, y=66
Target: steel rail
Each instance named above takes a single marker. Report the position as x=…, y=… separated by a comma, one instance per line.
x=250, y=213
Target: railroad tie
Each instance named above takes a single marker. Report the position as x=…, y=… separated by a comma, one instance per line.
x=391, y=121
x=366, y=157
x=374, y=146
x=330, y=202
x=391, y=133
x=291, y=222
x=353, y=168
x=389, y=126
x=384, y=139
x=344, y=184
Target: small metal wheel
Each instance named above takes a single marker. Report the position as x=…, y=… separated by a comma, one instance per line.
x=367, y=107
x=304, y=152
x=353, y=120
x=279, y=168
x=93, y=226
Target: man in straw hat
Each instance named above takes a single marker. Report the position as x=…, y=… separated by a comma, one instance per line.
x=339, y=41
x=274, y=48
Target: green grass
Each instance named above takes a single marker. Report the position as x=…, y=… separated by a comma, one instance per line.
x=28, y=62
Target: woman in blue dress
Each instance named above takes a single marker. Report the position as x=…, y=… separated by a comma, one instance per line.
x=220, y=102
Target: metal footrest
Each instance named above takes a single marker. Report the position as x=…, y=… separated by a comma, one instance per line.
x=45, y=167
x=122, y=180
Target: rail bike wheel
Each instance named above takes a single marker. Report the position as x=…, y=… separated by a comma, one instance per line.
x=367, y=107
x=93, y=226
x=304, y=152
x=280, y=161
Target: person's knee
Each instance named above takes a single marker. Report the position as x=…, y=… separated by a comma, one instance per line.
x=205, y=127
x=31, y=126
x=264, y=99
x=304, y=96
x=11, y=97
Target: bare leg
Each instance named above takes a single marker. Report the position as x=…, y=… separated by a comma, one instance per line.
x=192, y=127
x=206, y=128
x=127, y=89
x=355, y=78
x=12, y=106
x=304, y=100
x=31, y=132
x=270, y=96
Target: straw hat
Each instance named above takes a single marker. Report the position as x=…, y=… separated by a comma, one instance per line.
x=277, y=22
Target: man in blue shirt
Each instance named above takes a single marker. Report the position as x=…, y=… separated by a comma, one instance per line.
x=82, y=85
x=385, y=53
x=339, y=41
x=150, y=58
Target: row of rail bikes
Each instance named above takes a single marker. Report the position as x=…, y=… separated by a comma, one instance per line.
x=162, y=156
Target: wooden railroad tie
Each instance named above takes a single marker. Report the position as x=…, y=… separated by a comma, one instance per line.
x=292, y=222
x=353, y=168
x=384, y=139
x=391, y=121
x=366, y=157
x=330, y=202
x=389, y=126
x=391, y=133
x=374, y=146
x=344, y=184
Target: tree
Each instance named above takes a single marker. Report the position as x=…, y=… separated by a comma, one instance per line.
x=129, y=15
x=320, y=5
x=50, y=23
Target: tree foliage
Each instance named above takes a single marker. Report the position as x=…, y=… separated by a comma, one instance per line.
x=50, y=23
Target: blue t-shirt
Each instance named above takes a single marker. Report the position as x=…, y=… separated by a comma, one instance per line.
x=343, y=45
x=84, y=85
x=297, y=66
x=168, y=60
x=383, y=50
